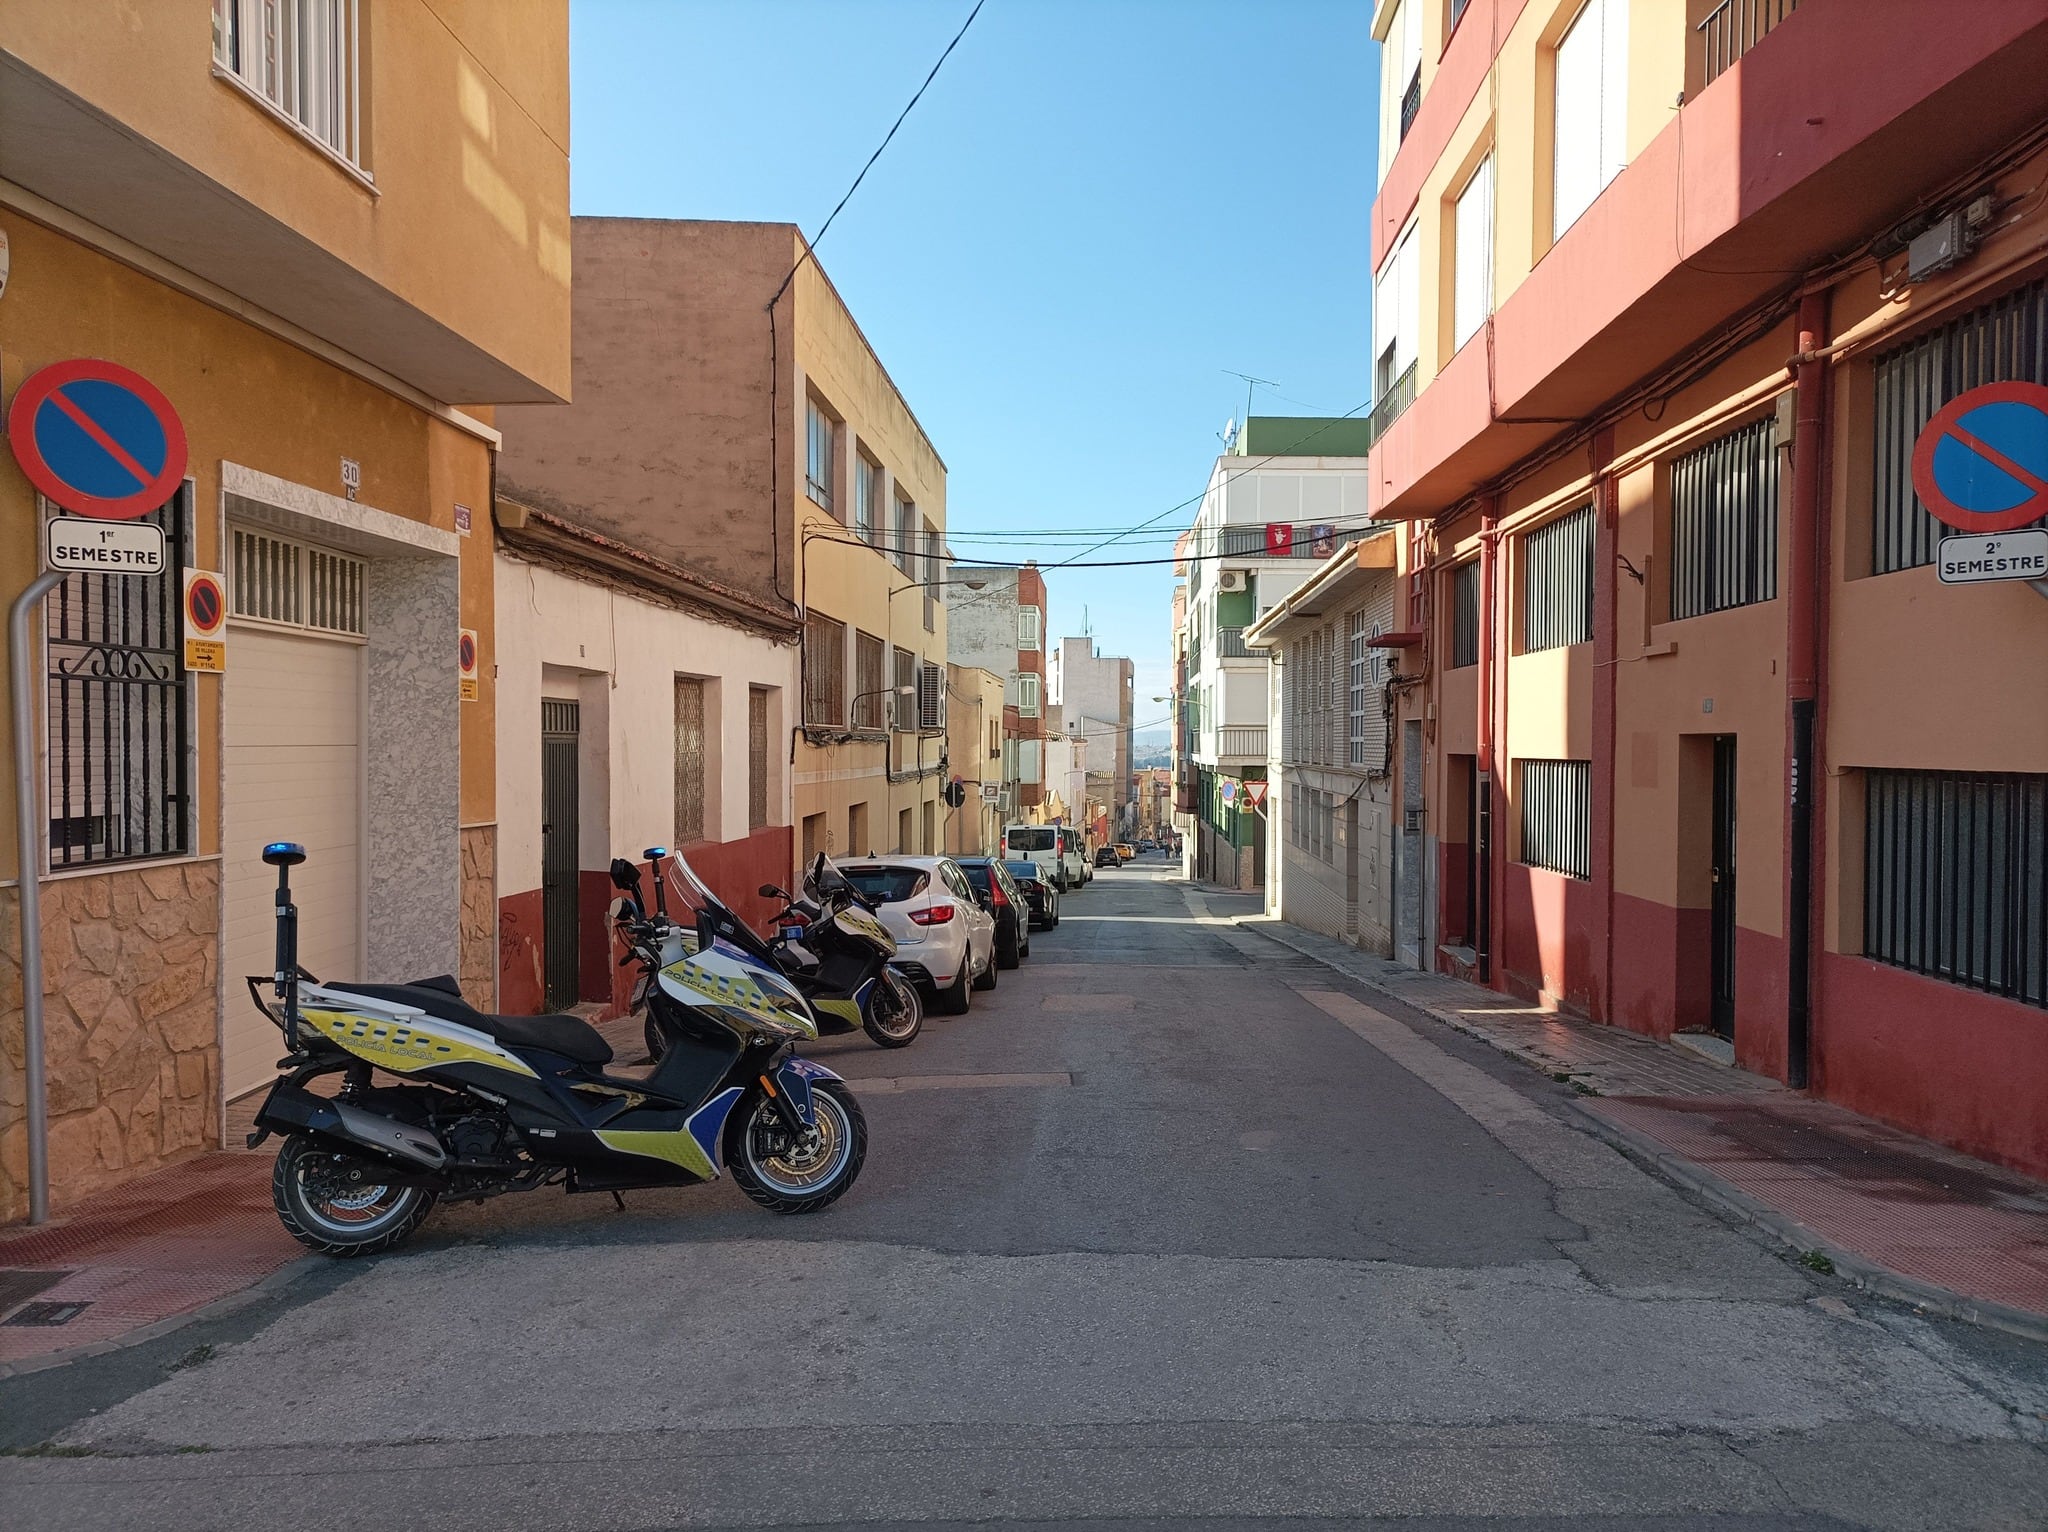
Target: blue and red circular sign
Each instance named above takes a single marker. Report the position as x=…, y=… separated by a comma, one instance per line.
x=97, y=439
x=1981, y=465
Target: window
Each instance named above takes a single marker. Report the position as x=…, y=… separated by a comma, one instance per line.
x=304, y=57
x=2002, y=342
x=824, y=672
x=870, y=685
x=1356, y=657
x=1557, y=582
x=1589, y=110
x=758, y=763
x=931, y=698
x=1955, y=877
x=1465, y=614
x=818, y=454
x=867, y=494
x=690, y=752
x=1400, y=78
x=1724, y=522
x=903, y=540
x=1397, y=315
x=120, y=709
x=1027, y=694
x=1556, y=803
x=274, y=579
x=1472, y=255
x=933, y=571
x=1030, y=627
x=902, y=708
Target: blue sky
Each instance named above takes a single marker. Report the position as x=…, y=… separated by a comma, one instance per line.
x=1097, y=209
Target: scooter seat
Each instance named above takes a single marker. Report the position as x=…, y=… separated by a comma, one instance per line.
x=569, y=1036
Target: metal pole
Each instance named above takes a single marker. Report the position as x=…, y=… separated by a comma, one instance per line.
x=27, y=803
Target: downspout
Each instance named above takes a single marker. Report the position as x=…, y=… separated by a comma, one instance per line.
x=1482, y=786
x=1802, y=689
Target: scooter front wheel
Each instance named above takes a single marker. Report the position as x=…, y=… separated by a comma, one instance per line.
x=335, y=1203
x=896, y=1015
x=784, y=1175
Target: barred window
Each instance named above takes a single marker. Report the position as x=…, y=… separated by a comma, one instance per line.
x=2004, y=341
x=758, y=765
x=1465, y=614
x=870, y=685
x=1556, y=803
x=1724, y=522
x=1557, y=582
x=1355, y=637
x=931, y=697
x=824, y=672
x=1955, y=877
x=690, y=751
x=120, y=709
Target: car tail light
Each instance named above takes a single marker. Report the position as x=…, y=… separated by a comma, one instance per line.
x=996, y=897
x=932, y=915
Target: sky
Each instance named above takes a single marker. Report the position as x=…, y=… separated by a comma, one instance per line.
x=1098, y=212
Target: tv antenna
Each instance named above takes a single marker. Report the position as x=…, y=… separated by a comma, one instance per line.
x=1250, y=383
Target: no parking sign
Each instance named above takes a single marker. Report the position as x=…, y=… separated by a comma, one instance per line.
x=1981, y=466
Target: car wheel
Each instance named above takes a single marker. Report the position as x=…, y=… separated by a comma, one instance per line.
x=992, y=974
x=958, y=997
x=1009, y=950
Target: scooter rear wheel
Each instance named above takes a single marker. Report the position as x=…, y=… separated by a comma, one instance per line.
x=790, y=1178
x=334, y=1203
x=905, y=1019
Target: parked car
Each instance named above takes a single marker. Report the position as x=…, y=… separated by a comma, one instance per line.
x=945, y=940
x=1003, y=899
x=1148, y=844
x=1074, y=857
x=1105, y=856
x=1126, y=850
x=1039, y=893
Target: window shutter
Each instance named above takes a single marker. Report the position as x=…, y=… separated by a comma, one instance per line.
x=931, y=697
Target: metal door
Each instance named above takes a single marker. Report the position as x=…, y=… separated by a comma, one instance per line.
x=560, y=938
x=1723, y=908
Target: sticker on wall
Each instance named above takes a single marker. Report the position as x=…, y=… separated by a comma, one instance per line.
x=462, y=519
x=206, y=614
x=465, y=651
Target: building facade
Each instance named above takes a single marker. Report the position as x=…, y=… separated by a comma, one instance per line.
x=997, y=623
x=974, y=745
x=1095, y=694
x=322, y=282
x=1708, y=747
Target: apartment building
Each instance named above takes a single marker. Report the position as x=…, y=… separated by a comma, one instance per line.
x=1095, y=693
x=1290, y=493
x=997, y=623
x=974, y=747
x=330, y=237
x=1710, y=747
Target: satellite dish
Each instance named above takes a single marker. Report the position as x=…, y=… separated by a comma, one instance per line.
x=1230, y=432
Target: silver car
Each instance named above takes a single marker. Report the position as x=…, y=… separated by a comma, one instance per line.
x=945, y=938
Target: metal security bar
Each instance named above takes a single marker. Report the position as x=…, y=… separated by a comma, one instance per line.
x=274, y=579
x=1955, y=877
x=931, y=698
x=1734, y=27
x=1557, y=604
x=824, y=672
x=119, y=709
x=690, y=758
x=870, y=685
x=1556, y=803
x=1411, y=102
x=1465, y=614
x=757, y=758
x=1724, y=522
x=1396, y=400
x=2004, y=341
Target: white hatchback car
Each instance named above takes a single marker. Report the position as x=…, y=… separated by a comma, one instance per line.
x=945, y=939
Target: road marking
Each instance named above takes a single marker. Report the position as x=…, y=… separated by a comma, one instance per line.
x=892, y=1085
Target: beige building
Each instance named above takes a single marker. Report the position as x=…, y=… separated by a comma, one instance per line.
x=974, y=748
x=330, y=253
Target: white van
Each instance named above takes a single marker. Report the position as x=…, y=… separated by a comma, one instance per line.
x=1055, y=848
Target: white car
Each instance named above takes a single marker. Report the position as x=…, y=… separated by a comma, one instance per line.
x=1056, y=848
x=945, y=939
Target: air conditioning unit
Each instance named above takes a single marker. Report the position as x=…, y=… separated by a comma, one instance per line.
x=1230, y=579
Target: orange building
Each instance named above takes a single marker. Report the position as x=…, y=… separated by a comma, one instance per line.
x=1706, y=747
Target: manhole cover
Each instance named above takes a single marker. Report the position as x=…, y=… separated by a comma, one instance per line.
x=19, y=1286
x=45, y=1314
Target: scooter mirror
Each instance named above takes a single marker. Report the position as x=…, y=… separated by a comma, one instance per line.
x=770, y=891
x=625, y=875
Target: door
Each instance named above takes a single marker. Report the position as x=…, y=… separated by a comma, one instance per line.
x=1722, y=918
x=559, y=843
x=293, y=772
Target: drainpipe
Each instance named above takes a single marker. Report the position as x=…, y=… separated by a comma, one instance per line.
x=1482, y=939
x=1802, y=687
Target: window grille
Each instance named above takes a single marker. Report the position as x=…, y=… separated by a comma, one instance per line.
x=274, y=579
x=1724, y=522
x=1556, y=803
x=824, y=672
x=1955, y=877
x=931, y=698
x=2004, y=341
x=120, y=718
x=757, y=758
x=870, y=683
x=818, y=454
x=690, y=753
x=1465, y=614
x=1557, y=582
x=302, y=56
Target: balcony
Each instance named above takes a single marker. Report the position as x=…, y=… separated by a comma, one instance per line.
x=1732, y=28
x=1230, y=645
x=1411, y=102
x=1393, y=402
x=1241, y=742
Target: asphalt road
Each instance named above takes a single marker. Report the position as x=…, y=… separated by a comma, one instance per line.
x=1175, y=1228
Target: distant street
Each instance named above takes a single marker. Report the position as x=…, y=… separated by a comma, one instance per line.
x=1175, y=1226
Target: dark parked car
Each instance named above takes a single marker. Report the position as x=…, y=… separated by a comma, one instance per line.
x=1005, y=900
x=1043, y=898
x=1106, y=856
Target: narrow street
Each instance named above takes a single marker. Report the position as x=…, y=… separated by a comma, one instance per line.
x=1175, y=1226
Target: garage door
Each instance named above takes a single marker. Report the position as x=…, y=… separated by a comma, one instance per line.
x=294, y=772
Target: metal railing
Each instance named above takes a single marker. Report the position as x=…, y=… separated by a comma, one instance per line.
x=1734, y=27
x=1241, y=741
x=1397, y=399
x=1411, y=102
x=1230, y=645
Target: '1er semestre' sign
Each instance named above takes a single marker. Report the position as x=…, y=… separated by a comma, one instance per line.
x=104, y=547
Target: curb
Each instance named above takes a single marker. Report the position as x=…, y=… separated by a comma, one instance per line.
x=219, y=1308
x=1668, y=1165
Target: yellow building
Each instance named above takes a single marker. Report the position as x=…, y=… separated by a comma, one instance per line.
x=974, y=747
x=326, y=251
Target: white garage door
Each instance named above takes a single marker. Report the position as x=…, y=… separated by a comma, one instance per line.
x=294, y=772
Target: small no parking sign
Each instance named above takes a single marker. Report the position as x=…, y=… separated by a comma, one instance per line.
x=465, y=654
x=206, y=613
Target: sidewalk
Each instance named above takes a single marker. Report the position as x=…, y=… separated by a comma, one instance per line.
x=1889, y=1212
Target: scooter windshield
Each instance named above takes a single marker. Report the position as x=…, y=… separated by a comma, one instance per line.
x=692, y=903
x=823, y=881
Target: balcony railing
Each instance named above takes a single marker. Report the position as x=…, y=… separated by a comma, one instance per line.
x=1411, y=102
x=1230, y=645
x=1241, y=741
x=1734, y=27
x=1391, y=405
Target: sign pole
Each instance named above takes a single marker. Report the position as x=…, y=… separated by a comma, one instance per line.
x=27, y=804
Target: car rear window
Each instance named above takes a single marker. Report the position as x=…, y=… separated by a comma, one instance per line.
x=977, y=874
x=1023, y=871
x=1031, y=838
x=887, y=885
